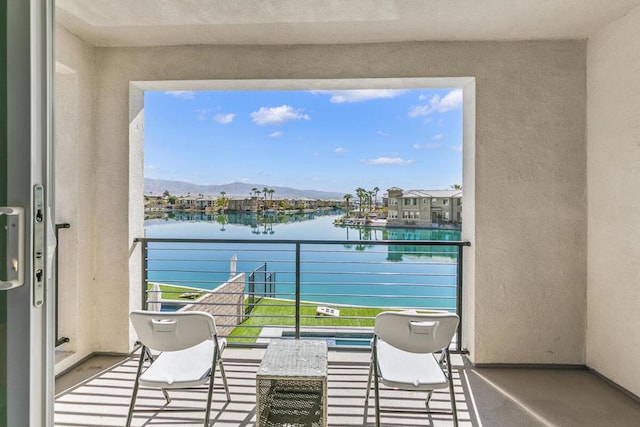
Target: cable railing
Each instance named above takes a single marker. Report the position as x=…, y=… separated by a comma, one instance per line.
x=259, y=290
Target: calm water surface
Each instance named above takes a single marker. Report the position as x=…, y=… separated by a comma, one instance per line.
x=360, y=274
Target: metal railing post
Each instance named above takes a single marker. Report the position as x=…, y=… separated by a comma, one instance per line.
x=298, y=291
x=459, y=298
x=143, y=271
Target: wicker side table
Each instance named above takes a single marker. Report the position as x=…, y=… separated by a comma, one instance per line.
x=291, y=384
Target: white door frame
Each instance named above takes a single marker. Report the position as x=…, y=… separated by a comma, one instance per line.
x=30, y=348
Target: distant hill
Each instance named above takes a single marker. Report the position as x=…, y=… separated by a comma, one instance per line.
x=235, y=189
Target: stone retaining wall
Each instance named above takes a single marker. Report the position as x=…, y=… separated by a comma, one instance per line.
x=225, y=303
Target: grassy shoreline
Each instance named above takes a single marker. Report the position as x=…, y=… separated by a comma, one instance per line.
x=275, y=312
x=174, y=292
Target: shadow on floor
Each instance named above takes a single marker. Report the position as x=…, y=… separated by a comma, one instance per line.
x=97, y=393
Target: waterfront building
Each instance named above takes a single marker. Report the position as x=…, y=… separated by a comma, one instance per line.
x=258, y=204
x=423, y=207
x=198, y=203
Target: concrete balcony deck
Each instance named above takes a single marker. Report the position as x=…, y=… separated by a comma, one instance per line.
x=97, y=393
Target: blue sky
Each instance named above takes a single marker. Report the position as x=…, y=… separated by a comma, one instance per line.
x=321, y=140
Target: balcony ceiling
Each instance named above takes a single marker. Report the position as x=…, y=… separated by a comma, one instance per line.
x=173, y=22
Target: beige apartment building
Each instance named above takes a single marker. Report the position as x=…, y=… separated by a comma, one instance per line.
x=254, y=204
x=422, y=207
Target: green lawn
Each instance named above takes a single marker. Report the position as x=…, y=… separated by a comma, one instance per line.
x=170, y=292
x=275, y=312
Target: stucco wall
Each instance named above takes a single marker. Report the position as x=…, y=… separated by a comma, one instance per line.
x=613, y=165
x=75, y=195
x=527, y=191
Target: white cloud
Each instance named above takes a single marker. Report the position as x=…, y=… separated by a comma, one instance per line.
x=388, y=161
x=202, y=113
x=182, y=94
x=420, y=110
x=438, y=137
x=340, y=150
x=428, y=146
x=422, y=97
x=451, y=101
x=224, y=119
x=276, y=134
x=277, y=115
x=457, y=148
x=359, y=95
x=382, y=133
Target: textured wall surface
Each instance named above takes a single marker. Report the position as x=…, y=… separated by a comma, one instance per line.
x=75, y=195
x=525, y=201
x=613, y=165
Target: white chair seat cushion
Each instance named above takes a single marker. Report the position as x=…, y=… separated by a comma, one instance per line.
x=182, y=368
x=409, y=371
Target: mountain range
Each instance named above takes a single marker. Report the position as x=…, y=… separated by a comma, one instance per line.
x=234, y=189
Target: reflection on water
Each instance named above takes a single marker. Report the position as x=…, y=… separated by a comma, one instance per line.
x=397, y=252
x=317, y=225
x=252, y=220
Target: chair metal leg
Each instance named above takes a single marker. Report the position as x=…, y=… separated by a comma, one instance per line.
x=166, y=395
x=148, y=355
x=366, y=397
x=451, y=391
x=135, y=387
x=429, y=394
x=209, y=399
x=212, y=375
x=376, y=383
x=224, y=380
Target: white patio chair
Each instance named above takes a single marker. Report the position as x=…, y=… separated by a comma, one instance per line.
x=190, y=351
x=403, y=354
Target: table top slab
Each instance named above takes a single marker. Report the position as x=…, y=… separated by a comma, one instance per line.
x=294, y=359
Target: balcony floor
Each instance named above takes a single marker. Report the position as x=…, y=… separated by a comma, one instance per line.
x=97, y=393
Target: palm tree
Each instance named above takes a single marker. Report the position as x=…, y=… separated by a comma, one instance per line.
x=360, y=192
x=375, y=195
x=347, y=198
x=271, y=191
x=456, y=187
x=254, y=193
x=258, y=192
x=370, y=199
x=265, y=191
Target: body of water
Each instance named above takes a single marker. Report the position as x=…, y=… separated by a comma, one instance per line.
x=359, y=274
